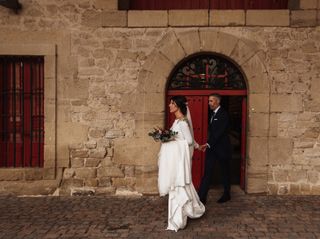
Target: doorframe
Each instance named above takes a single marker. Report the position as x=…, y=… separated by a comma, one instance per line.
x=244, y=115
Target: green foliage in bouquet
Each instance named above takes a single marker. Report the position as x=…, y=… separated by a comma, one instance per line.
x=163, y=135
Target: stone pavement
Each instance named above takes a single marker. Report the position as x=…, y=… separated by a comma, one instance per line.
x=246, y=216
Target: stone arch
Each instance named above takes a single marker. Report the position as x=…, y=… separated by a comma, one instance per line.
x=149, y=98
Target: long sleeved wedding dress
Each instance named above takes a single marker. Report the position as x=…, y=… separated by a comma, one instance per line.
x=175, y=177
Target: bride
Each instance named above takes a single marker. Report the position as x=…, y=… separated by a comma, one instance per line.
x=175, y=169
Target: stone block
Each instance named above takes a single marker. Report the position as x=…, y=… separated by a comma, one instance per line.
x=32, y=174
x=114, y=133
x=106, y=4
x=283, y=189
x=308, y=4
x=147, y=185
x=50, y=173
x=98, y=153
x=147, y=18
x=208, y=39
x=303, y=18
x=267, y=17
x=313, y=177
x=112, y=171
x=71, y=182
x=227, y=18
x=171, y=48
x=104, y=182
x=272, y=189
x=258, y=124
x=68, y=173
x=189, y=18
x=155, y=102
x=257, y=76
x=297, y=175
x=42, y=187
x=106, y=162
x=146, y=171
x=257, y=179
x=259, y=103
x=127, y=182
x=69, y=133
x=315, y=190
x=85, y=173
x=50, y=72
x=129, y=171
x=286, y=103
x=134, y=102
x=243, y=51
x=281, y=175
x=141, y=152
x=91, y=144
x=162, y=66
x=91, y=182
x=10, y=174
x=114, y=19
x=105, y=191
x=280, y=151
x=96, y=132
x=77, y=162
x=305, y=189
x=81, y=153
x=92, y=162
x=91, y=18
x=189, y=40
x=295, y=189
x=258, y=151
x=273, y=129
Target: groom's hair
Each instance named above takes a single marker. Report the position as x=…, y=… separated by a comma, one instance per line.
x=216, y=95
x=181, y=102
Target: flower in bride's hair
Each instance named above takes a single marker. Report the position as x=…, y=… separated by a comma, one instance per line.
x=163, y=135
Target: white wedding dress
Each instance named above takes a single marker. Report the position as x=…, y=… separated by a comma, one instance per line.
x=175, y=177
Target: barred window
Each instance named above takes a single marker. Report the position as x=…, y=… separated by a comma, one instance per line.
x=21, y=111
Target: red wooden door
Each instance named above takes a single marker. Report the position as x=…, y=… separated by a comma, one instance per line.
x=243, y=142
x=198, y=105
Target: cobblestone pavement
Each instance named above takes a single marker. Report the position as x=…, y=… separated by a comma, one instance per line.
x=245, y=216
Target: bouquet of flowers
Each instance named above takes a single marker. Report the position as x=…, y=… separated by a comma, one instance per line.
x=163, y=135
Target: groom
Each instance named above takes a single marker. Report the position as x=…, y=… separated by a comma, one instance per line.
x=218, y=149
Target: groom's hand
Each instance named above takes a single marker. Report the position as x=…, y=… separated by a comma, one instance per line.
x=203, y=147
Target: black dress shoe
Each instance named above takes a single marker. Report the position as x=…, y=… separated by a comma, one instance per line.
x=204, y=201
x=225, y=198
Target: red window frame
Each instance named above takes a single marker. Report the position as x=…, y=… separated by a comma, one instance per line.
x=21, y=111
x=207, y=4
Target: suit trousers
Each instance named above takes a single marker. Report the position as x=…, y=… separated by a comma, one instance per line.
x=210, y=162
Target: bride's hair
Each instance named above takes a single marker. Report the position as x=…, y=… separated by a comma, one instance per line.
x=181, y=102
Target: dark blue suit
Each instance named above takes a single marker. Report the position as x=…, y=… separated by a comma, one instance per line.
x=219, y=152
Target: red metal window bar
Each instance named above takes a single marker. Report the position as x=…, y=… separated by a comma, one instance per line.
x=207, y=71
x=21, y=111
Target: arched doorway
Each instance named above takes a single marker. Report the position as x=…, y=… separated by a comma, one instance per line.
x=196, y=77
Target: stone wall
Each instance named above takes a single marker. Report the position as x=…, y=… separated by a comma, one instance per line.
x=111, y=71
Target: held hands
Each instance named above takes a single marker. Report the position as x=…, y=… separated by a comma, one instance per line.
x=203, y=147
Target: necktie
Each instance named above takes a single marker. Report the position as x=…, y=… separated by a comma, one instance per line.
x=212, y=116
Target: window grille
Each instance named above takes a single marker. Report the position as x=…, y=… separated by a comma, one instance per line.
x=21, y=111
x=207, y=71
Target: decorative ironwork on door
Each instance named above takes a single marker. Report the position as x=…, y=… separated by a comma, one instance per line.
x=207, y=72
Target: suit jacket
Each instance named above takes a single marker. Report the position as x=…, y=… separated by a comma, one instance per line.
x=218, y=139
